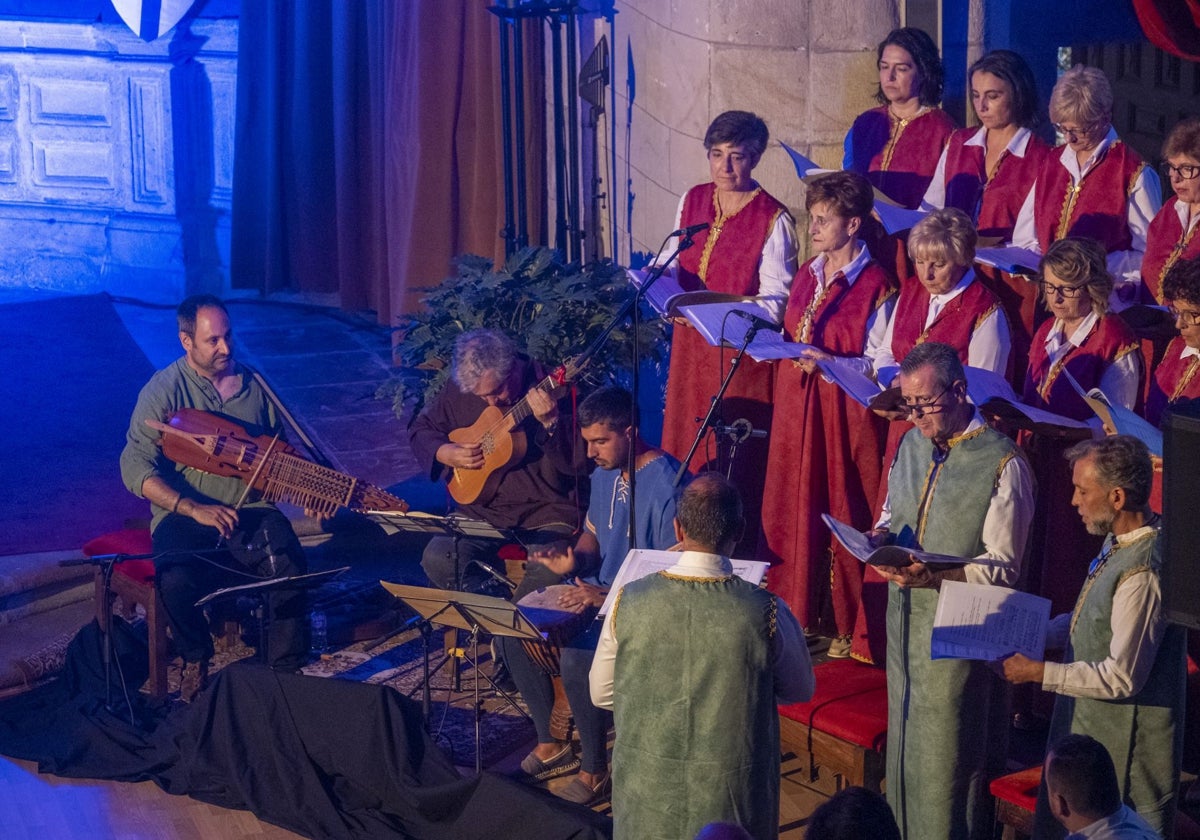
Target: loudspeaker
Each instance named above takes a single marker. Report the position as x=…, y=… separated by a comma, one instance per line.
x=1181, y=520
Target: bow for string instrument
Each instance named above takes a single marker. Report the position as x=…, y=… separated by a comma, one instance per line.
x=216, y=445
x=500, y=437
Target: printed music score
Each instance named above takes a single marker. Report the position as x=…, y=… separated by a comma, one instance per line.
x=976, y=621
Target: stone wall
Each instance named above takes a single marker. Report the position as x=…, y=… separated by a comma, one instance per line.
x=116, y=158
x=806, y=66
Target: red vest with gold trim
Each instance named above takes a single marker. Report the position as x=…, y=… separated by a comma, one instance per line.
x=998, y=200
x=1045, y=387
x=736, y=245
x=1096, y=207
x=901, y=166
x=839, y=319
x=1164, y=236
x=954, y=325
x=1175, y=379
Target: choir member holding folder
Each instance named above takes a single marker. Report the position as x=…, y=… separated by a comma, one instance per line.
x=987, y=171
x=1099, y=351
x=826, y=449
x=748, y=249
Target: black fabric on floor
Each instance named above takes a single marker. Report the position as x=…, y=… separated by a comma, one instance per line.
x=321, y=757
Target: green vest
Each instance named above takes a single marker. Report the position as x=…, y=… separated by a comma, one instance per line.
x=947, y=719
x=1143, y=733
x=697, y=727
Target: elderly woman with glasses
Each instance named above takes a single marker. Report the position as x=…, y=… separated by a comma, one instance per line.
x=1092, y=185
x=1098, y=350
x=1172, y=234
x=826, y=452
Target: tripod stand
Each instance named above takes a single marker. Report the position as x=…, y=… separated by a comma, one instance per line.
x=476, y=614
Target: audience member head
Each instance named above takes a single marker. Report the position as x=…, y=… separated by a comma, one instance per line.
x=933, y=386
x=1003, y=91
x=915, y=48
x=1181, y=293
x=838, y=204
x=739, y=128
x=1081, y=107
x=606, y=424
x=724, y=831
x=1181, y=159
x=1081, y=783
x=853, y=813
x=1112, y=476
x=942, y=246
x=708, y=515
x=485, y=364
x=1075, y=278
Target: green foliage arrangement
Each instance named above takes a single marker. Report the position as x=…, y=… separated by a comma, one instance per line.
x=553, y=309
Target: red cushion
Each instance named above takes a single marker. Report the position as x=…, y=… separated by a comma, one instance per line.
x=1019, y=788
x=129, y=541
x=850, y=703
x=512, y=551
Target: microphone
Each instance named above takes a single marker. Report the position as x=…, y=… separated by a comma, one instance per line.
x=757, y=322
x=494, y=574
x=690, y=230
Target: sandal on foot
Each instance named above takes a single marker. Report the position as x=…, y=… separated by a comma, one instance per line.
x=581, y=793
x=560, y=764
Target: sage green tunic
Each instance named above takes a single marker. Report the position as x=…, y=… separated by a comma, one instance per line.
x=1143, y=733
x=697, y=726
x=947, y=719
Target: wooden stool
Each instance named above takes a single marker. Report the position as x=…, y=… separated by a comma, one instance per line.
x=843, y=728
x=1016, y=798
x=133, y=582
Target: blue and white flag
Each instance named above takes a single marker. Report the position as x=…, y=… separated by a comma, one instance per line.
x=151, y=19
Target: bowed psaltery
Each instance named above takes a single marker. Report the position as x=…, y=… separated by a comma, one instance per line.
x=216, y=445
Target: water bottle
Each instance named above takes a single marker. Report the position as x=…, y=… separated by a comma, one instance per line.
x=320, y=636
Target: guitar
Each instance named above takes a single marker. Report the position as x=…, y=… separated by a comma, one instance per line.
x=503, y=442
x=216, y=445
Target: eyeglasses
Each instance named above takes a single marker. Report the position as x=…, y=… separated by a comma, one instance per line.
x=1066, y=292
x=929, y=405
x=1074, y=133
x=1188, y=319
x=1186, y=172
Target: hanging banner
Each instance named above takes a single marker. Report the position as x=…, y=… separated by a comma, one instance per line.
x=151, y=19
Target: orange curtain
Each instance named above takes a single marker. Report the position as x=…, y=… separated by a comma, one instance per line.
x=368, y=146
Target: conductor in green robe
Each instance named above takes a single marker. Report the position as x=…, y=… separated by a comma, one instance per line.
x=692, y=661
x=956, y=487
x=1122, y=678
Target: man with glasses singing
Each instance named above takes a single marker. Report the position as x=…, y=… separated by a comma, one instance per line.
x=956, y=487
x=1093, y=184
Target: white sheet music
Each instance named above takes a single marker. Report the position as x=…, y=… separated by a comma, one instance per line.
x=977, y=621
x=640, y=562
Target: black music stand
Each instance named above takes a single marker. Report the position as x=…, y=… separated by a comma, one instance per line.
x=475, y=614
x=259, y=590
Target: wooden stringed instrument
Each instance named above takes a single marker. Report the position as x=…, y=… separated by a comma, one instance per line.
x=216, y=445
x=503, y=442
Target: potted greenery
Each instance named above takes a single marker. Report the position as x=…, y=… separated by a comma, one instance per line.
x=553, y=309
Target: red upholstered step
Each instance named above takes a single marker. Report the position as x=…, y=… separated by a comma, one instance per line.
x=850, y=703
x=128, y=541
x=1019, y=788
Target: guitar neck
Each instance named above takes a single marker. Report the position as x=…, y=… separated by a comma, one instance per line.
x=520, y=412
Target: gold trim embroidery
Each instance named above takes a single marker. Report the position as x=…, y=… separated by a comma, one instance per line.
x=714, y=232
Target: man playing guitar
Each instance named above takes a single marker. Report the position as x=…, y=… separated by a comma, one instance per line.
x=500, y=401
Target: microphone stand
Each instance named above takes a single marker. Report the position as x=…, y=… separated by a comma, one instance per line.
x=710, y=419
x=631, y=306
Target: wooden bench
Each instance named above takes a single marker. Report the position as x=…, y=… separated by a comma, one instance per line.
x=843, y=728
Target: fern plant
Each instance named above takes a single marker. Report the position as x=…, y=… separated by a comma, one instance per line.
x=554, y=310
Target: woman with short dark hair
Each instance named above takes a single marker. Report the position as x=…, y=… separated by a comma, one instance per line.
x=1172, y=235
x=748, y=249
